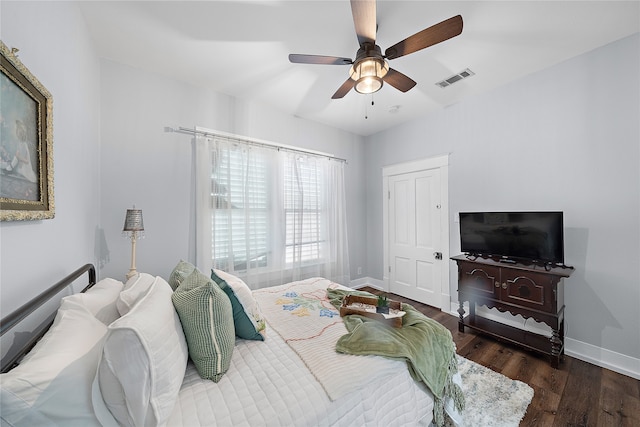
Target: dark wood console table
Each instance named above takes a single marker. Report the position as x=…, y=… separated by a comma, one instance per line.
x=531, y=291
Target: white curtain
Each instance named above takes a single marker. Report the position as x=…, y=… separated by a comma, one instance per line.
x=268, y=215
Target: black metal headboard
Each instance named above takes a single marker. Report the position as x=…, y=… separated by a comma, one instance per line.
x=21, y=313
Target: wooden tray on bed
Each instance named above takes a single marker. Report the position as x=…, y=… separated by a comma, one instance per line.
x=345, y=309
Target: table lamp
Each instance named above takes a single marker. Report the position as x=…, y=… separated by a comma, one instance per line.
x=133, y=228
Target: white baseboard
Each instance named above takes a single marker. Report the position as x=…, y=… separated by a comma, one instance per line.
x=367, y=281
x=617, y=362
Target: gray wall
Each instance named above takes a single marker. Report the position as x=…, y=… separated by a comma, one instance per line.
x=566, y=138
x=145, y=166
x=35, y=254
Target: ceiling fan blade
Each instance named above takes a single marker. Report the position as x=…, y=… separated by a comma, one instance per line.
x=319, y=59
x=427, y=37
x=398, y=80
x=364, y=19
x=344, y=89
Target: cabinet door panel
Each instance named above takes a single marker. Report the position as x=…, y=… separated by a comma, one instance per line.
x=479, y=279
x=528, y=289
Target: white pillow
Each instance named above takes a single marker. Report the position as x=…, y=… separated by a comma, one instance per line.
x=135, y=288
x=100, y=300
x=247, y=301
x=143, y=363
x=52, y=386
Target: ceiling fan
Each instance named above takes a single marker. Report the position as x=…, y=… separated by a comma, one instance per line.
x=371, y=67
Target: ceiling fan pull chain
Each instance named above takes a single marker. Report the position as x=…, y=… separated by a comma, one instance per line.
x=366, y=108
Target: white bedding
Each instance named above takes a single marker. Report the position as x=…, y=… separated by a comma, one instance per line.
x=268, y=384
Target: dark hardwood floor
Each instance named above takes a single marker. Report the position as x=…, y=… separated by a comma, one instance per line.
x=576, y=394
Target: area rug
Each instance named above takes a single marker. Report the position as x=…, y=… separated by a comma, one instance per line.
x=492, y=400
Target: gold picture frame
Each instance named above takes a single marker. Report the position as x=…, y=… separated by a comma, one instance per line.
x=26, y=142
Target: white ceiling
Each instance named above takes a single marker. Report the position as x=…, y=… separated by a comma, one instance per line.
x=241, y=48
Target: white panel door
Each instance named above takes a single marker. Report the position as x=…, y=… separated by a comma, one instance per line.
x=414, y=236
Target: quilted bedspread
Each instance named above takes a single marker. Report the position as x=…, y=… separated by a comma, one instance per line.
x=303, y=316
x=269, y=384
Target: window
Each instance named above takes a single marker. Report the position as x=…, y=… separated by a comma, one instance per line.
x=303, y=182
x=273, y=216
x=240, y=220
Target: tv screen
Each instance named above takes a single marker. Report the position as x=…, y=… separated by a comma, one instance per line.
x=529, y=236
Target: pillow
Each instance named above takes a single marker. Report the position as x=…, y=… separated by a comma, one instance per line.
x=143, y=363
x=134, y=290
x=52, y=385
x=179, y=273
x=207, y=319
x=100, y=300
x=247, y=318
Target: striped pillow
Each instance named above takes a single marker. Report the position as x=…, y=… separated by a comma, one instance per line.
x=179, y=273
x=207, y=320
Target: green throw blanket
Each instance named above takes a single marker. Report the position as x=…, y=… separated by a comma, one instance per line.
x=425, y=344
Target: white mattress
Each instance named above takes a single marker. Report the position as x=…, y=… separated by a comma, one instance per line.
x=268, y=385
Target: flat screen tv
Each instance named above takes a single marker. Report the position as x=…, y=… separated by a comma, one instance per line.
x=518, y=236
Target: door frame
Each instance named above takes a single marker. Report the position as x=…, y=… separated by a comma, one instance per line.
x=439, y=162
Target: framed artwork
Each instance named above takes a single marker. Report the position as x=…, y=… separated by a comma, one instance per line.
x=26, y=142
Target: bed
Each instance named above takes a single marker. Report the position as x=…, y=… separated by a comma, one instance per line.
x=125, y=354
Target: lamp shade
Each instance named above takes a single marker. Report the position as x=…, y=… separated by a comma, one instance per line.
x=133, y=221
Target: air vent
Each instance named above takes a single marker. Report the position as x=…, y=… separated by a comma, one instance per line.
x=455, y=78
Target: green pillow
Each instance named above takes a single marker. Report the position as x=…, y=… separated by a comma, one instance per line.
x=179, y=273
x=244, y=326
x=207, y=320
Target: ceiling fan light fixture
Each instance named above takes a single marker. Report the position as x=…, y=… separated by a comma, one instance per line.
x=368, y=74
x=369, y=84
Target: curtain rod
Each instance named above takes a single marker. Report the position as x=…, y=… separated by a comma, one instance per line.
x=250, y=141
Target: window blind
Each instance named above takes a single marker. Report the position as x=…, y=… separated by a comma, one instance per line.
x=272, y=215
